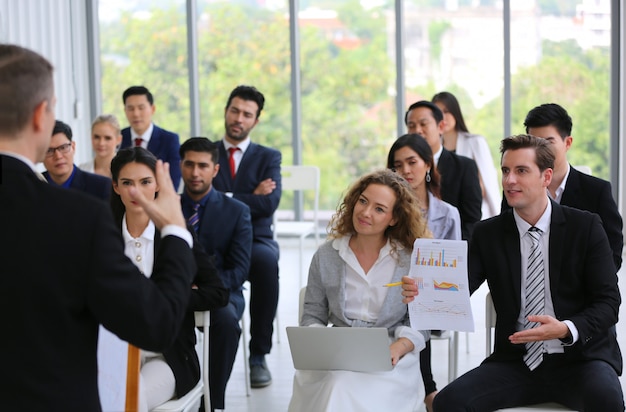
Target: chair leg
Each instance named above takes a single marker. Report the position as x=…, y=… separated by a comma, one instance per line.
x=453, y=350
x=244, y=338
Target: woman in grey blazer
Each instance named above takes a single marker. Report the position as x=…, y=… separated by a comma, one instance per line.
x=371, y=239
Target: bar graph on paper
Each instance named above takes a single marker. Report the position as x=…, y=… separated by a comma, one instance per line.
x=440, y=270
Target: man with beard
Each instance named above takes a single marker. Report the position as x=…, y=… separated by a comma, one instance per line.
x=251, y=174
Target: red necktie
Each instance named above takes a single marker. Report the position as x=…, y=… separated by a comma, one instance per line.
x=231, y=161
x=138, y=141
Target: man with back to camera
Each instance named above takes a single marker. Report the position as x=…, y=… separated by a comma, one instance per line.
x=224, y=229
x=554, y=289
x=139, y=108
x=251, y=174
x=61, y=170
x=64, y=271
x=569, y=186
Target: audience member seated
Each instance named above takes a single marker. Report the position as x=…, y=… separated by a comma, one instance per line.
x=411, y=157
x=105, y=140
x=555, y=293
x=139, y=107
x=460, y=185
x=458, y=139
x=61, y=170
x=177, y=370
x=372, y=237
x=224, y=229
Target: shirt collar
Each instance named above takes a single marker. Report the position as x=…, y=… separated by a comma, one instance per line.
x=148, y=233
x=243, y=146
x=542, y=224
x=187, y=200
x=437, y=155
x=145, y=136
x=342, y=245
x=559, y=190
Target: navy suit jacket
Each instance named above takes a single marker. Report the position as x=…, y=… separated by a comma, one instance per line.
x=258, y=163
x=225, y=231
x=95, y=185
x=583, y=282
x=64, y=269
x=164, y=145
x=590, y=193
x=460, y=187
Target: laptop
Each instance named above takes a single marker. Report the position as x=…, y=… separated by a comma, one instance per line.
x=340, y=348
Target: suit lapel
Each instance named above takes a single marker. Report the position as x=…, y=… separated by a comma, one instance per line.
x=511, y=243
x=246, y=161
x=155, y=140
x=571, y=195
x=557, y=234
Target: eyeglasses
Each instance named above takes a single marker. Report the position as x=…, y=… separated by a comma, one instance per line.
x=63, y=149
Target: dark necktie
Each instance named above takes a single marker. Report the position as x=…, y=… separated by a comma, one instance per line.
x=138, y=142
x=231, y=161
x=535, y=304
x=194, y=219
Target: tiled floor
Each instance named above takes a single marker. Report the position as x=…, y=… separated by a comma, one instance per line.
x=275, y=398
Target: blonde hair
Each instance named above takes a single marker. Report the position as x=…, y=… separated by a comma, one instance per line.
x=110, y=119
x=410, y=224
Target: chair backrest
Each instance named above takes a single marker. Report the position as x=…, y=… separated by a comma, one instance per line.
x=490, y=321
x=303, y=178
x=301, y=304
x=585, y=169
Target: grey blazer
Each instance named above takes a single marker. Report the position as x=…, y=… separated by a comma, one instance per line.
x=324, y=301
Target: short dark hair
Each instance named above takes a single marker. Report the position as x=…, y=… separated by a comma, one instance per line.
x=247, y=93
x=544, y=157
x=60, y=127
x=437, y=114
x=550, y=114
x=419, y=145
x=25, y=82
x=138, y=91
x=200, y=144
x=452, y=104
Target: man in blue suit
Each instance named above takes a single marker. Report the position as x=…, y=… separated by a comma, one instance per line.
x=224, y=229
x=61, y=170
x=139, y=108
x=251, y=174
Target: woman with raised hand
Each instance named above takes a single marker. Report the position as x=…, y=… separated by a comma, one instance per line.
x=176, y=371
x=371, y=239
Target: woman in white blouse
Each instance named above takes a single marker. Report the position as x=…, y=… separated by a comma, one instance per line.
x=456, y=138
x=105, y=140
x=371, y=239
x=177, y=370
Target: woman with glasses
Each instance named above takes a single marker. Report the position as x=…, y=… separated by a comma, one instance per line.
x=105, y=140
x=177, y=370
x=458, y=139
x=412, y=158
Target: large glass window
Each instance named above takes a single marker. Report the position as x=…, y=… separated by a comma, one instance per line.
x=560, y=53
x=144, y=43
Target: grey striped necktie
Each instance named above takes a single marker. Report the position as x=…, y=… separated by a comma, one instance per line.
x=535, y=297
x=194, y=219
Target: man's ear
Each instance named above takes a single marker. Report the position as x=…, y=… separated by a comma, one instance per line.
x=39, y=116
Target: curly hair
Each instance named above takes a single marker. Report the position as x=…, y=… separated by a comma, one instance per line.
x=410, y=224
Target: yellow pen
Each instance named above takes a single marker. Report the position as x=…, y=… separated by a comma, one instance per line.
x=389, y=285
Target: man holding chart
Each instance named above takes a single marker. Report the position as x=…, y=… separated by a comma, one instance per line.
x=552, y=279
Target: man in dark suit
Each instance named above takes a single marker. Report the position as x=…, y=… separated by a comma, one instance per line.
x=554, y=288
x=64, y=271
x=251, y=174
x=569, y=186
x=61, y=170
x=139, y=108
x=460, y=185
x=224, y=229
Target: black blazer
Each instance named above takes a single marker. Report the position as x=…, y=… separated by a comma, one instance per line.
x=209, y=294
x=590, y=193
x=164, y=145
x=583, y=282
x=258, y=163
x=95, y=185
x=460, y=186
x=63, y=273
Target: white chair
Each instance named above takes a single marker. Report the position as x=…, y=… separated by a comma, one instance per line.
x=300, y=178
x=191, y=401
x=490, y=323
x=585, y=169
x=453, y=351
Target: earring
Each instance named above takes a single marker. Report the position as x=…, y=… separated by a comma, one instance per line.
x=428, y=176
